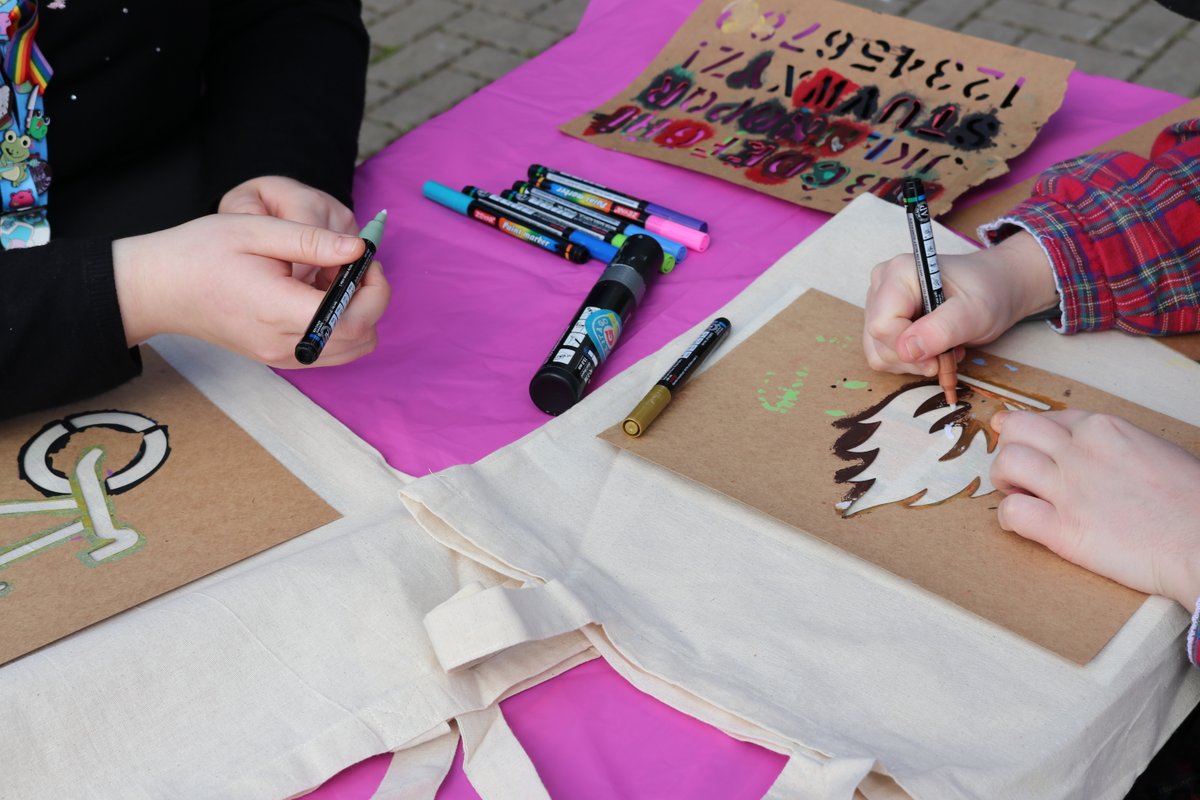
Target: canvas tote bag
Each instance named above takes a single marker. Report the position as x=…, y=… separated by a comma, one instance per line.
x=871, y=684
x=267, y=677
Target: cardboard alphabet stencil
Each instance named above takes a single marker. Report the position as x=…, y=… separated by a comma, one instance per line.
x=817, y=102
x=114, y=500
x=795, y=423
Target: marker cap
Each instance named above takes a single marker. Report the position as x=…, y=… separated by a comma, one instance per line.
x=646, y=411
x=598, y=248
x=675, y=216
x=450, y=198
x=694, y=239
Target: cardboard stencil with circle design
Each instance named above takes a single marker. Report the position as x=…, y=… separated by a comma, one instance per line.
x=817, y=102
x=793, y=422
x=114, y=500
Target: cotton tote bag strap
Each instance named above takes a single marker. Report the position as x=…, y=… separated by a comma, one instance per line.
x=477, y=623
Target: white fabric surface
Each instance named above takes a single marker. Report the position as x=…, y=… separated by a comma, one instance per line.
x=782, y=639
x=262, y=680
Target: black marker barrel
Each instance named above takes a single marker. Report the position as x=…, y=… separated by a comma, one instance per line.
x=536, y=235
x=595, y=328
x=920, y=228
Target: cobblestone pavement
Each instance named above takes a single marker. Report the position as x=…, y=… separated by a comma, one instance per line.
x=429, y=54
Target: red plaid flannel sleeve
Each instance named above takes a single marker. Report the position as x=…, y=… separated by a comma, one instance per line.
x=1123, y=235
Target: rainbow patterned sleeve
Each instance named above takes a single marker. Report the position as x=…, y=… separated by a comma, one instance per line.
x=1122, y=233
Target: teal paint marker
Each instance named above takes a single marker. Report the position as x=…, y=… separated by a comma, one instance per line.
x=528, y=214
x=526, y=231
x=337, y=297
x=602, y=225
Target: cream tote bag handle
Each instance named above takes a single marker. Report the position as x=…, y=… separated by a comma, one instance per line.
x=493, y=760
x=476, y=623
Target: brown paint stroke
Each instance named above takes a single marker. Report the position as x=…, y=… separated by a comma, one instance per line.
x=970, y=417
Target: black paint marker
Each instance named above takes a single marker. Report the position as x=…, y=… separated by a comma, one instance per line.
x=536, y=235
x=920, y=228
x=661, y=393
x=601, y=224
x=533, y=217
x=337, y=297
x=594, y=330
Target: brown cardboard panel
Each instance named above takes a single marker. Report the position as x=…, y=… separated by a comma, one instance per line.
x=133, y=493
x=761, y=426
x=816, y=102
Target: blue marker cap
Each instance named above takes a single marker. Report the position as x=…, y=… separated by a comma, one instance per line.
x=450, y=198
x=597, y=247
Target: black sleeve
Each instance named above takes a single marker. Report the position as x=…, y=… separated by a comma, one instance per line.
x=61, y=335
x=284, y=90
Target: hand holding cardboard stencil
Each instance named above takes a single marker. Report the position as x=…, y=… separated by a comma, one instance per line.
x=763, y=426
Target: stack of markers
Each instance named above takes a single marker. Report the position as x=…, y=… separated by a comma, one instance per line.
x=574, y=218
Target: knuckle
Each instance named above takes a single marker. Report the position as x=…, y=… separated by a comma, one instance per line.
x=310, y=243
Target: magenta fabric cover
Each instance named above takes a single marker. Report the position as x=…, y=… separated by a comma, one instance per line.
x=474, y=313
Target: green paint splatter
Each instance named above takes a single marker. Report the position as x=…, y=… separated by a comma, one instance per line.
x=786, y=397
x=855, y=384
x=836, y=413
x=843, y=342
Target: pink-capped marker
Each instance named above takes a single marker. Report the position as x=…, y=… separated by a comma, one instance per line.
x=688, y=237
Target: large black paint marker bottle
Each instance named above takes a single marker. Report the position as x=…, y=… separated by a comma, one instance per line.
x=593, y=331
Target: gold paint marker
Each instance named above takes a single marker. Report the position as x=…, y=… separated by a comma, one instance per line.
x=660, y=394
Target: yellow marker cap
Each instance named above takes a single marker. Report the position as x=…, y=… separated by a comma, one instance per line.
x=647, y=410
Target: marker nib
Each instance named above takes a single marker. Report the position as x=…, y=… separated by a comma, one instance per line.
x=948, y=378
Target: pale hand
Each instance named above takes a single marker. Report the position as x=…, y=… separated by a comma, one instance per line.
x=287, y=198
x=987, y=292
x=228, y=279
x=1105, y=494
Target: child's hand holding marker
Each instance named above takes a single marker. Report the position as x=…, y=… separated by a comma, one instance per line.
x=987, y=292
x=228, y=279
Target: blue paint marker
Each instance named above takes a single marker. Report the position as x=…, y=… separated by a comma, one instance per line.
x=523, y=212
x=538, y=172
x=536, y=235
x=601, y=224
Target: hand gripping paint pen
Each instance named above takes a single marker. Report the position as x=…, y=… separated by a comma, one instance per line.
x=920, y=228
x=593, y=331
x=535, y=235
x=661, y=393
x=337, y=297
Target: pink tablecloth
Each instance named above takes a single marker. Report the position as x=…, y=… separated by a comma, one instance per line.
x=474, y=313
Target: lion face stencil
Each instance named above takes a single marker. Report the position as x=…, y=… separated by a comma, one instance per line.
x=912, y=449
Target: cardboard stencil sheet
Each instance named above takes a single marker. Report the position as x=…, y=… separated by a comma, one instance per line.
x=114, y=500
x=793, y=422
x=817, y=102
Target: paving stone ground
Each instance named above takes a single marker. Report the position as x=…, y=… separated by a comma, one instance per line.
x=427, y=55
